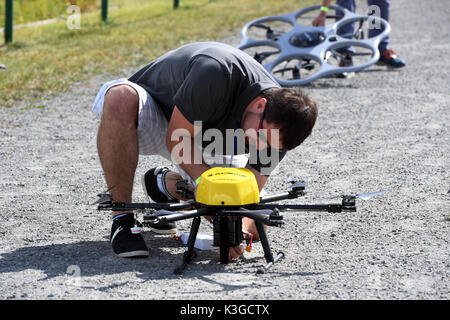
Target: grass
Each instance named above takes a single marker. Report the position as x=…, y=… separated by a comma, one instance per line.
x=47, y=59
x=34, y=10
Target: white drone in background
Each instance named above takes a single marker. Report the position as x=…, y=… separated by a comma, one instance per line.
x=296, y=53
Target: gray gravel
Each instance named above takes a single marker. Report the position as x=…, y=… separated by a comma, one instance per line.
x=379, y=130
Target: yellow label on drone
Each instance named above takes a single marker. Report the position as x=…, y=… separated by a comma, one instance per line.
x=221, y=186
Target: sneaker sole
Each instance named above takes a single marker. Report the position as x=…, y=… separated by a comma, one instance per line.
x=381, y=63
x=134, y=254
x=163, y=231
x=345, y=75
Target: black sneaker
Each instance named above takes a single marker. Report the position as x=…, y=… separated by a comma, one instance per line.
x=151, y=190
x=389, y=57
x=161, y=228
x=125, y=243
x=150, y=185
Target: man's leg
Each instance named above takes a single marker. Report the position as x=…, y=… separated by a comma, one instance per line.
x=387, y=55
x=381, y=8
x=118, y=150
x=117, y=141
x=347, y=28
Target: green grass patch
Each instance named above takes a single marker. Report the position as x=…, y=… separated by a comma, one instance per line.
x=35, y=10
x=46, y=60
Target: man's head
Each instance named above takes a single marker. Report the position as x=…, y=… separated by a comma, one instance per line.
x=289, y=110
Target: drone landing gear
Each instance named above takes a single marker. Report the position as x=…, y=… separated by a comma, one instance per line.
x=263, y=269
x=189, y=254
x=228, y=233
x=266, y=247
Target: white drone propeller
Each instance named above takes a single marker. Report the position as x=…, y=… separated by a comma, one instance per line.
x=367, y=196
x=362, y=196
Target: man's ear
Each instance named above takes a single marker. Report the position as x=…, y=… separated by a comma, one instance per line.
x=259, y=105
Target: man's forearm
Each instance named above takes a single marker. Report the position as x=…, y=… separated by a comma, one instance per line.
x=260, y=179
x=320, y=19
x=182, y=147
x=188, y=156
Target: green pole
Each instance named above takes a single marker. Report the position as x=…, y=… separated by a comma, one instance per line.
x=104, y=10
x=8, y=21
x=176, y=3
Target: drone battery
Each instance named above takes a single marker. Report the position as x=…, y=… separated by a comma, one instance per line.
x=232, y=226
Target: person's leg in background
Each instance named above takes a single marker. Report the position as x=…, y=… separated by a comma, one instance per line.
x=387, y=55
x=346, y=29
x=381, y=8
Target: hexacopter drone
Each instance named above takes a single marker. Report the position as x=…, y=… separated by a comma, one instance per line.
x=296, y=53
x=227, y=195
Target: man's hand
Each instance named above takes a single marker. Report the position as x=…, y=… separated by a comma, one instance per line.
x=236, y=252
x=320, y=19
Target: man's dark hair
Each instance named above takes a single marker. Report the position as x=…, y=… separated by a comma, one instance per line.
x=293, y=112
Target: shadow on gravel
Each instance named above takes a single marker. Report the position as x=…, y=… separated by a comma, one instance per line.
x=95, y=258
x=334, y=82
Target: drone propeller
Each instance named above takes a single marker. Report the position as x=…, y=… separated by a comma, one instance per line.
x=295, y=71
x=296, y=183
x=271, y=34
x=261, y=56
x=367, y=196
x=362, y=196
x=104, y=197
x=291, y=180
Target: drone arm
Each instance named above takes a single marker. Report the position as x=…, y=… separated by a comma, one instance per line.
x=265, y=216
x=170, y=216
x=121, y=206
x=294, y=193
x=307, y=207
x=275, y=197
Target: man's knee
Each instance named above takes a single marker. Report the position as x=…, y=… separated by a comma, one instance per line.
x=122, y=103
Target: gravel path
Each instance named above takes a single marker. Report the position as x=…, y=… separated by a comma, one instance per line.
x=379, y=130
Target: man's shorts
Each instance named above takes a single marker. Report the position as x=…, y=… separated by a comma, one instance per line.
x=152, y=125
x=152, y=129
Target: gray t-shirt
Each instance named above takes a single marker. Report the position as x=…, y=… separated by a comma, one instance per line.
x=207, y=81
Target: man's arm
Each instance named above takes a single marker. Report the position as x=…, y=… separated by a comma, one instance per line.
x=260, y=179
x=320, y=19
x=183, y=141
x=180, y=143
